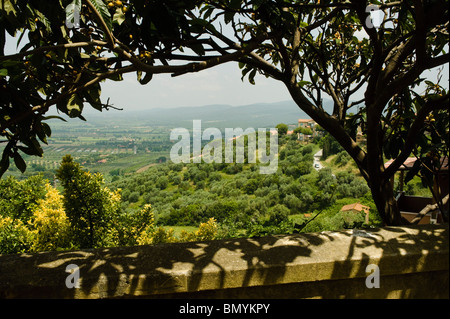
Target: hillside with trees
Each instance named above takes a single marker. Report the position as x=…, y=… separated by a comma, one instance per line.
x=243, y=201
x=216, y=200
x=35, y=216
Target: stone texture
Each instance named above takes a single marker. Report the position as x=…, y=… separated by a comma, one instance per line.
x=413, y=263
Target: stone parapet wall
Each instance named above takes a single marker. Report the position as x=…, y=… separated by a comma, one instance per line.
x=413, y=262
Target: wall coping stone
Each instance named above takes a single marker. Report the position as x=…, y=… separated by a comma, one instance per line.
x=183, y=268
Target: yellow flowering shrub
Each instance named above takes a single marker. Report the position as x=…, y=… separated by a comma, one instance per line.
x=15, y=237
x=206, y=231
x=145, y=232
x=112, y=202
x=156, y=236
x=50, y=223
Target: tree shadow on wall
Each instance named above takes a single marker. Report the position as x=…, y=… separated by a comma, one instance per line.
x=226, y=268
x=407, y=259
x=159, y=269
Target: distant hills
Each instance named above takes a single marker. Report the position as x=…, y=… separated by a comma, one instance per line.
x=258, y=115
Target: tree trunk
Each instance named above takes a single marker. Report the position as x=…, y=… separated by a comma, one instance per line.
x=384, y=198
x=370, y=164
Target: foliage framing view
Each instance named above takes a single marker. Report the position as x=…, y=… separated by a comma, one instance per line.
x=189, y=202
x=310, y=46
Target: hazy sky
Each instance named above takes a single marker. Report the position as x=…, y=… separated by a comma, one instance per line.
x=218, y=85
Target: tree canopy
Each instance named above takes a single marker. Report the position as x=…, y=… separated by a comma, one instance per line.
x=316, y=49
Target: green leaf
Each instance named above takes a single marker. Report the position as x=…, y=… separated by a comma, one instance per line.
x=4, y=162
x=117, y=76
x=47, y=129
x=229, y=15
x=54, y=117
x=315, y=77
x=74, y=106
x=104, y=12
x=40, y=132
x=303, y=83
x=139, y=75
x=71, y=8
x=8, y=7
x=251, y=77
x=147, y=78
x=92, y=96
x=28, y=150
x=119, y=16
x=209, y=10
x=245, y=71
x=258, y=3
x=9, y=12
x=198, y=48
x=20, y=163
x=3, y=72
x=46, y=22
x=33, y=146
x=235, y=4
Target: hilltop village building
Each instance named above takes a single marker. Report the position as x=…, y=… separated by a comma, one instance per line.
x=307, y=124
x=421, y=209
x=357, y=208
x=312, y=125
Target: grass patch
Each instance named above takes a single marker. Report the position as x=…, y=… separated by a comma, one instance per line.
x=349, y=165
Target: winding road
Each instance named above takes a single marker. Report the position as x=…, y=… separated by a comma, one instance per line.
x=316, y=164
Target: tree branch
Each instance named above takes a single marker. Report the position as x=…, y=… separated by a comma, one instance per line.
x=407, y=79
x=421, y=32
x=50, y=48
x=195, y=67
x=395, y=60
x=427, y=209
x=414, y=131
x=42, y=108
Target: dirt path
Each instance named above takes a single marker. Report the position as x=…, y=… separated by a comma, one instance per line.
x=146, y=167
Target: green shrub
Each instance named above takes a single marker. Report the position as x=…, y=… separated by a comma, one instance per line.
x=15, y=237
x=133, y=197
